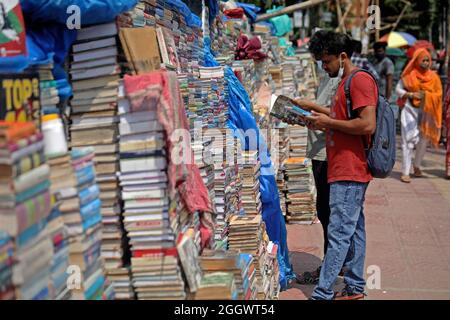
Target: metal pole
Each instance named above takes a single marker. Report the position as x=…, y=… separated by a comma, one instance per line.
x=290, y=9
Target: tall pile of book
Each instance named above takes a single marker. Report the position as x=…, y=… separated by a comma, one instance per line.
x=215, y=110
x=143, y=178
x=25, y=203
x=300, y=196
x=226, y=201
x=239, y=264
x=251, y=197
x=83, y=218
x=63, y=187
x=95, y=72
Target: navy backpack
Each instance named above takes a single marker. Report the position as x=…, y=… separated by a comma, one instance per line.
x=381, y=154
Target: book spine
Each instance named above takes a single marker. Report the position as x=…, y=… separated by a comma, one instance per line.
x=33, y=210
x=31, y=178
x=31, y=192
x=91, y=209
x=28, y=163
x=89, y=194
x=22, y=143
x=23, y=152
x=17, y=131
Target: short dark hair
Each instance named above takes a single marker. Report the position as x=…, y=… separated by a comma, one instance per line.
x=329, y=42
x=357, y=46
x=380, y=45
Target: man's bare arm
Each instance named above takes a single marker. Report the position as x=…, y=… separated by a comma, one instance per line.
x=311, y=106
x=364, y=123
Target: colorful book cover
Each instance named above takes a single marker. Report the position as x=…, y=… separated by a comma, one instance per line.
x=12, y=29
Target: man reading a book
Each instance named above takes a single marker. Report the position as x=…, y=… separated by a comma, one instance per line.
x=348, y=173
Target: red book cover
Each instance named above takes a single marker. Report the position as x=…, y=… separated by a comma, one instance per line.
x=155, y=253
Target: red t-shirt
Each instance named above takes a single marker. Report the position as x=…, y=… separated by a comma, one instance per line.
x=345, y=152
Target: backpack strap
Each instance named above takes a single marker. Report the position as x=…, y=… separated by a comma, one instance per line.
x=350, y=112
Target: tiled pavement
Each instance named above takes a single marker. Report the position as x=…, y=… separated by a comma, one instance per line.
x=408, y=237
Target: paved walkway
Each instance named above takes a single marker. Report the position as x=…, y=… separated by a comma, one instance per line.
x=408, y=237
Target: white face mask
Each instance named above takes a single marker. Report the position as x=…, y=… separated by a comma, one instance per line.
x=319, y=65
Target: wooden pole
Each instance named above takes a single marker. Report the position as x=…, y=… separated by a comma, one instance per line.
x=341, y=25
x=407, y=4
x=342, y=22
x=290, y=9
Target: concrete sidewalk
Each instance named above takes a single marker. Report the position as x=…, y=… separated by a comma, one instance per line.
x=408, y=236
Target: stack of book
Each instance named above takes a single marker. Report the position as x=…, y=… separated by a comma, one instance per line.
x=251, y=197
x=275, y=78
x=245, y=71
x=240, y=264
x=25, y=203
x=48, y=87
x=307, y=78
x=63, y=186
x=217, y=286
x=6, y=266
x=33, y=261
x=297, y=141
x=95, y=73
x=289, y=87
x=143, y=178
x=226, y=201
x=300, y=194
x=83, y=218
x=120, y=279
x=215, y=111
x=60, y=264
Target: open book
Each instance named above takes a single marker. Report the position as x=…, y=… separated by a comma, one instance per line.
x=287, y=110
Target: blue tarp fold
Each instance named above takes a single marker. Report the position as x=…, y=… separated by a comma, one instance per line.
x=91, y=11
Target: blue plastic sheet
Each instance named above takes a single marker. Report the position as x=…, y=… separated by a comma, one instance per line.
x=250, y=10
x=91, y=11
x=51, y=44
x=191, y=19
x=241, y=119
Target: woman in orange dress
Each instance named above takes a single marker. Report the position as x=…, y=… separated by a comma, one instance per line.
x=421, y=118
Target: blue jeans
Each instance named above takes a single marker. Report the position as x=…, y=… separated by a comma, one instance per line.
x=346, y=240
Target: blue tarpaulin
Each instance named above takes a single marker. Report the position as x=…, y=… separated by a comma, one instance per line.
x=48, y=38
x=91, y=11
x=241, y=119
x=250, y=10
